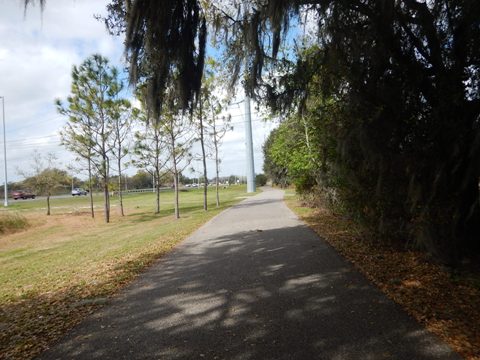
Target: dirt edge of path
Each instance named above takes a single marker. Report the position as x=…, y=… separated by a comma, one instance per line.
x=447, y=305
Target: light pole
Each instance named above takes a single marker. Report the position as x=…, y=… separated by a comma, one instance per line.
x=249, y=146
x=5, y=202
x=251, y=186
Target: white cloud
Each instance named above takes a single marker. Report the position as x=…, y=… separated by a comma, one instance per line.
x=37, y=52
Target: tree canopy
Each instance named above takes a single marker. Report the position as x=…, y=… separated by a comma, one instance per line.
x=97, y=119
x=401, y=81
x=390, y=89
x=164, y=43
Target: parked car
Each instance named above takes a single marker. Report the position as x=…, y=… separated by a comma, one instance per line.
x=22, y=194
x=79, y=191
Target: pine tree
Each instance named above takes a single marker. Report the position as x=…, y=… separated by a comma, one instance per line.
x=92, y=108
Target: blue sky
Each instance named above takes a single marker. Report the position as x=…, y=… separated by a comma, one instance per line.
x=37, y=52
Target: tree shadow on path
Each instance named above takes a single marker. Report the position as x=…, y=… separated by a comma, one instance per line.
x=271, y=294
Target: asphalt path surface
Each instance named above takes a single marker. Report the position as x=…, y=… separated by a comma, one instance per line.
x=253, y=283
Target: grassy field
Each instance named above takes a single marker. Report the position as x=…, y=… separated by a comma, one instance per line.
x=63, y=266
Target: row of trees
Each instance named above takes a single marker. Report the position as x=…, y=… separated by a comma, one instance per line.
x=385, y=110
x=45, y=177
x=387, y=94
x=103, y=128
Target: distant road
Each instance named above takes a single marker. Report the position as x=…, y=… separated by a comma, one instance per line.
x=39, y=198
x=134, y=191
x=65, y=196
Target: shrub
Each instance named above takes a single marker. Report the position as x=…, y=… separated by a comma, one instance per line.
x=12, y=223
x=261, y=180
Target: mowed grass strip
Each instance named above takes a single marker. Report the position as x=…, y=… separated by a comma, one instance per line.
x=64, y=266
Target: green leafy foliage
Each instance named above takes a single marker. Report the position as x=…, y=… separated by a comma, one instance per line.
x=402, y=82
x=261, y=180
x=149, y=151
x=289, y=152
x=44, y=178
x=98, y=119
x=213, y=128
x=165, y=44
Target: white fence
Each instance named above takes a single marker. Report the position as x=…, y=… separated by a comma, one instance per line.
x=134, y=191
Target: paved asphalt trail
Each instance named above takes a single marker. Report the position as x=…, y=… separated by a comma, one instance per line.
x=253, y=283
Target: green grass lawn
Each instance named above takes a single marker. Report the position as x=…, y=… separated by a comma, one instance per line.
x=57, y=269
x=69, y=204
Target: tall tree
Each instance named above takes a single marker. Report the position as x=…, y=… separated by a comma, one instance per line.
x=211, y=131
x=203, y=98
x=179, y=138
x=218, y=128
x=149, y=151
x=201, y=114
x=122, y=116
x=77, y=135
x=404, y=76
x=92, y=106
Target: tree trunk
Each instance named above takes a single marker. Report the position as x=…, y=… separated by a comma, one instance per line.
x=48, y=204
x=106, y=197
x=175, y=183
x=157, y=192
x=106, y=193
x=120, y=186
x=204, y=160
x=175, y=174
x=217, y=174
x=90, y=190
x=105, y=168
x=157, y=170
x=105, y=172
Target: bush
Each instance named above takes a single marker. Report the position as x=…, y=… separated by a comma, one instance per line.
x=12, y=223
x=304, y=183
x=261, y=180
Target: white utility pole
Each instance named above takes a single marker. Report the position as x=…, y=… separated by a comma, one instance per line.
x=5, y=203
x=249, y=145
